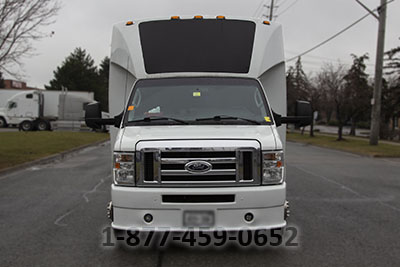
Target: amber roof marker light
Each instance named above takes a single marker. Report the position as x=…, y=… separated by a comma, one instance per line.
x=175, y=17
x=266, y=22
x=198, y=17
x=220, y=17
x=130, y=23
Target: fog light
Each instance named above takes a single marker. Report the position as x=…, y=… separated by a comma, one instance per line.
x=249, y=217
x=148, y=218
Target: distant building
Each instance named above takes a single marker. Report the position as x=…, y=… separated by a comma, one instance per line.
x=17, y=85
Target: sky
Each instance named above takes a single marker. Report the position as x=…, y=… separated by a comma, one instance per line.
x=88, y=24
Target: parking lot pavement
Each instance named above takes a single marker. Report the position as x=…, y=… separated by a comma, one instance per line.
x=345, y=207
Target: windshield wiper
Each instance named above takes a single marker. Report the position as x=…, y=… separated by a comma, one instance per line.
x=224, y=117
x=150, y=119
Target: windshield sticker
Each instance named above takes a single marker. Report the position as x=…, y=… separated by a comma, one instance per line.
x=267, y=119
x=155, y=110
x=196, y=94
x=131, y=108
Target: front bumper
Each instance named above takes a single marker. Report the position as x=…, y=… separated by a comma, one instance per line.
x=266, y=203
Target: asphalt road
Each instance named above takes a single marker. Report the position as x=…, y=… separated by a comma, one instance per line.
x=346, y=207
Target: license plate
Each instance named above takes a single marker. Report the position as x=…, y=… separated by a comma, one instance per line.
x=198, y=218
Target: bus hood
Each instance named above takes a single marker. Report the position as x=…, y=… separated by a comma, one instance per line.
x=267, y=136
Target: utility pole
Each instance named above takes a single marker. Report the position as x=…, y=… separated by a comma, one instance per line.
x=271, y=10
x=376, y=103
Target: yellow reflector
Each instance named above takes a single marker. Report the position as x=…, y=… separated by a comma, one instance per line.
x=130, y=108
x=129, y=23
x=198, y=17
x=266, y=22
x=117, y=165
x=220, y=17
x=175, y=17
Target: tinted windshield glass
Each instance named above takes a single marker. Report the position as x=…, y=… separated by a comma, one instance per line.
x=235, y=101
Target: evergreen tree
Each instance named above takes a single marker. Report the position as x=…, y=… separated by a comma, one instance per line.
x=79, y=73
x=76, y=73
x=393, y=61
x=297, y=86
x=358, y=92
x=391, y=93
x=104, y=73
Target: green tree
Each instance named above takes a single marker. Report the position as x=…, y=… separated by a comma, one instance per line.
x=392, y=60
x=297, y=85
x=104, y=73
x=390, y=93
x=390, y=107
x=76, y=73
x=358, y=92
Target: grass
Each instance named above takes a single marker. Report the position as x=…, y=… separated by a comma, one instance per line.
x=354, y=145
x=21, y=147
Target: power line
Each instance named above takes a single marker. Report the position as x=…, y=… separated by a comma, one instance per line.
x=330, y=38
x=288, y=7
x=260, y=6
x=283, y=2
x=336, y=35
x=322, y=59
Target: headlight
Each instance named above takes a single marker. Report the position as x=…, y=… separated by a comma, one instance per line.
x=273, y=168
x=124, y=169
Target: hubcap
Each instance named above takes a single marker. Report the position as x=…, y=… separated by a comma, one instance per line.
x=26, y=126
x=42, y=126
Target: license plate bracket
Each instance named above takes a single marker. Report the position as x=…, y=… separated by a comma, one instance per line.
x=198, y=218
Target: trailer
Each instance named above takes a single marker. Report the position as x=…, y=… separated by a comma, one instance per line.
x=36, y=109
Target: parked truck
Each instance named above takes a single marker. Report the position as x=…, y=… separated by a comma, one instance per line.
x=197, y=138
x=36, y=109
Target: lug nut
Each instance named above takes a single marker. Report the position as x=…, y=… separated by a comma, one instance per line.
x=148, y=218
x=249, y=217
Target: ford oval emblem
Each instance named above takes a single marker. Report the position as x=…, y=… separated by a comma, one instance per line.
x=197, y=167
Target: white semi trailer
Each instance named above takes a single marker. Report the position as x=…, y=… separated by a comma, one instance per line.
x=197, y=139
x=36, y=109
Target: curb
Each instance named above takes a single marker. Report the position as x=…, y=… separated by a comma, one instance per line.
x=52, y=158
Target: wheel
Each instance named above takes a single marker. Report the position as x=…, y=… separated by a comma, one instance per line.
x=42, y=125
x=3, y=123
x=26, y=126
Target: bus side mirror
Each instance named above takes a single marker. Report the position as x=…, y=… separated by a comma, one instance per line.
x=303, y=115
x=93, y=115
x=304, y=111
x=94, y=120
